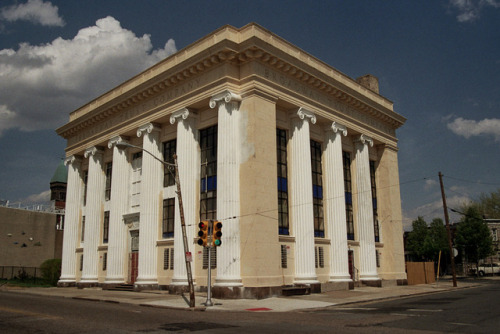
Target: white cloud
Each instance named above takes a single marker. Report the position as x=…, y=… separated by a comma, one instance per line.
x=34, y=11
x=42, y=197
x=430, y=184
x=41, y=84
x=470, y=10
x=469, y=128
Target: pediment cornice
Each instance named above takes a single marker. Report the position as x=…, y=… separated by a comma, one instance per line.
x=184, y=66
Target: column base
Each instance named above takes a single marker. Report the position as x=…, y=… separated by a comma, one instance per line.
x=228, y=282
x=114, y=280
x=306, y=280
x=66, y=283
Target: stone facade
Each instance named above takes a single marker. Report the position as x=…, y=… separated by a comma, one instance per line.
x=226, y=100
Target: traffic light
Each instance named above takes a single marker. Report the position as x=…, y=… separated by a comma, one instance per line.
x=203, y=225
x=217, y=233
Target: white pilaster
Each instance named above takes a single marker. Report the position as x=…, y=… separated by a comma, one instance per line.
x=187, y=161
x=93, y=213
x=301, y=199
x=364, y=212
x=72, y=218
x=228, y=188
x=335, y=203
x=151, y=203
x=117, y=245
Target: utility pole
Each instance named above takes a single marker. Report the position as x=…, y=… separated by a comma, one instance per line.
x=447, y=220
x=184, y=236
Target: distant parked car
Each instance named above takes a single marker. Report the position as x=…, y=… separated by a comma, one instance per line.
x=489, y=269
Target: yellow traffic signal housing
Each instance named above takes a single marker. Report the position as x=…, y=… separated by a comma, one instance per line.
x=217, y=234
x=203, y=233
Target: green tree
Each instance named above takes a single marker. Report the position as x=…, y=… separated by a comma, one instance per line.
x=436, y=240
x=473, y=236
x=416, y=238
x=490, y=204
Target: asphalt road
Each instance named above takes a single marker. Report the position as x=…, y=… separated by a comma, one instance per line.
x=472, y=310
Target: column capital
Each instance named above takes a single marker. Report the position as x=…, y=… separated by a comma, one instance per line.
x=181, y=113
x=303, y=113
x=364, y=139
x=72, y=159
x=93, y=151
x=148, y=127
x=115, y=140
x=337, y=128
x=226, y=96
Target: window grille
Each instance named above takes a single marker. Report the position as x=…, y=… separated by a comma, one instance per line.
x=376, y=226
x=81, y=262
x=213, y=257
x=169, y=149
x=107, y=190
x=85, y=181
x=168, y=218
x=83, y=229
x=377, y=258
x=284, y=259
x=281, y=151
x=317, y=182
x=105, y=228
x=319, y=257
x=208, y=174
x=168, y=259
x=346, y=159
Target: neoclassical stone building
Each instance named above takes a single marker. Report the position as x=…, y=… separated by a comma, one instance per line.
x=297, y=160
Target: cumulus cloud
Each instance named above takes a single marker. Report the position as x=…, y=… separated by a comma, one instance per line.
x=34, y=11
x=470, y=10
x=468, y=128
x=41, y=84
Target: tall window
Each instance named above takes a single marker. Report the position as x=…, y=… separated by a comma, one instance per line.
x=376, y=227
x=168, y=217
x=208, y=175
x=105, y=228
x=107, y=191
x=169, y=149
x=317, y=181
x=281, y=142
x=85, y=181
x=346, y=158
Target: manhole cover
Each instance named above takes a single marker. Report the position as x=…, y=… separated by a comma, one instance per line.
x=193, y=326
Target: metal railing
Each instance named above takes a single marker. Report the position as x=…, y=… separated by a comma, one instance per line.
x=27, y=274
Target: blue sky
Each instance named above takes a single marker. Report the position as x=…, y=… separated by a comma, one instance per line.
x=438, y=61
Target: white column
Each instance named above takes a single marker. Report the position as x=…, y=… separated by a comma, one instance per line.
x=301, y=199
x=187, y=161
x=151, y=204
x=228, y=188
x=335, y=203
x=364, y=212
x=117, y=245
x=72, y=219
x=93, y=214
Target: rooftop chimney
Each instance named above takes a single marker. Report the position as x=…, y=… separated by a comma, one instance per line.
x=369, y=81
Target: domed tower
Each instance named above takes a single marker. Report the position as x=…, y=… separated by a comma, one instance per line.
x=58, y=186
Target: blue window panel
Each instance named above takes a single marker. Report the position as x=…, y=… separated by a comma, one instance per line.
x=317, y=191
x=168, y=235
x=203, y=185
x=375, y=203
x=319, y=234
x=284, y=231
x=377, y=239
x=350, y=236
x=212, y=183
x=282, y=184
x=348, y=198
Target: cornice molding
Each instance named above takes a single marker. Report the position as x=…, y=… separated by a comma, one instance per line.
x=226, y=96
x=93, y=151
x=181, y=114
x=148, y=128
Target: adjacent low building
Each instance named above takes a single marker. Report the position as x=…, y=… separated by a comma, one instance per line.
x=298, y=161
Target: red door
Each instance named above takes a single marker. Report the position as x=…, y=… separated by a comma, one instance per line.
x=133, y=267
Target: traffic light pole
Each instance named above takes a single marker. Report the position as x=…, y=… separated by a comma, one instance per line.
x=184, y=236
x=208, y=302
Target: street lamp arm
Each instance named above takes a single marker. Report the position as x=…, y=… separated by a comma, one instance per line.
x=122, y=145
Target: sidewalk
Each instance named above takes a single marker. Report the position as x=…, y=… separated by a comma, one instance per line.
x=274, y=304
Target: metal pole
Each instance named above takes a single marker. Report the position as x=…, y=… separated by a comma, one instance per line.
x=184, y=236
x=209, y=271
x=447, y=220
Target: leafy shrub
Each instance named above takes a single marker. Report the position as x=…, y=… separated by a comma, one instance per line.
x=51, y=270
